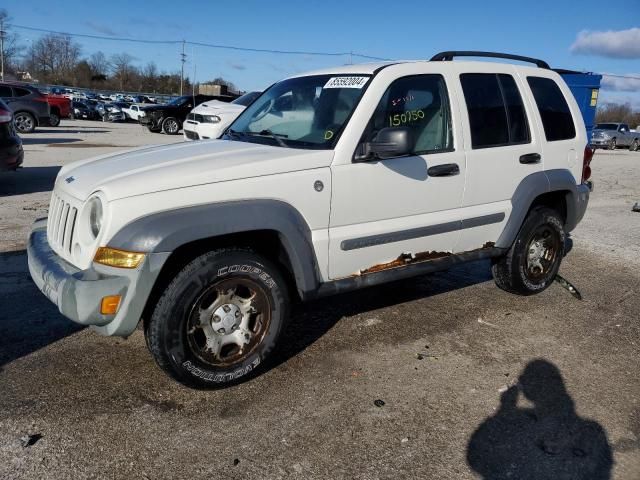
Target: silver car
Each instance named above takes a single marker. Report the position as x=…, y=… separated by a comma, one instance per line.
x=614, y=135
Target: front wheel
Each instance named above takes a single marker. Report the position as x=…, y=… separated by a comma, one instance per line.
x=219, y=318
x=612, y=144
x=533, y=261
x=171, y=126
x=634, y=146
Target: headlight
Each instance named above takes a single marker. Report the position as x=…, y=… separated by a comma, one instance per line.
x=210, y=119
x=606, y=136
x=95, y=216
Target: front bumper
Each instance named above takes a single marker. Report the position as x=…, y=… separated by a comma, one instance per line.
x=11, y=155
x=600, y=142
x=152, y=122
x=196, y=131
x=78, y=293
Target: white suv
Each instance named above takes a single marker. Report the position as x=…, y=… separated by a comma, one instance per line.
x=330, y=181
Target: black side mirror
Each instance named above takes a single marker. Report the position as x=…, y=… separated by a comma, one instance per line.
x=389, y=142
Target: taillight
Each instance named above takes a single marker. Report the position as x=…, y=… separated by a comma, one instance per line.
x=586, y=163
x=5, y=116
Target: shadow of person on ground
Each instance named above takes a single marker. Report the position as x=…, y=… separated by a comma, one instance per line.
x=546, y=441
x=28, y=180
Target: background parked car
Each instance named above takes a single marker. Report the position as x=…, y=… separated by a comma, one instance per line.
x=30, y=107
x=133, y=112
x=11, y=153
x=613, y=135
x=110, y=112
x=59, y=107
x=211, y=119
x=81, y=109
x=169, y=117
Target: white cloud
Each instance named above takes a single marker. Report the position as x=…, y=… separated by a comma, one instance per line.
x=628, y=82
x=614, y=44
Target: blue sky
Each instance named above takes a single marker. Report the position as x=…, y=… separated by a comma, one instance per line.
x=397, y=30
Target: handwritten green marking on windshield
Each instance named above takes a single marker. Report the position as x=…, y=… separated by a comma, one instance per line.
x=405, y=117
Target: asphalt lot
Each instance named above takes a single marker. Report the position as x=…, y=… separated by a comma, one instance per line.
x=443, y=352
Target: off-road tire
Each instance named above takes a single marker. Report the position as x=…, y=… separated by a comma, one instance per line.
x=634, y=146
x=171, y=126
x=167, y=332
x=510, y=271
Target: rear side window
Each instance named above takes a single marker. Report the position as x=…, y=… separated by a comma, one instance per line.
x=5, y=91
x=554, y=111
x=21, y=92
x=496, y=112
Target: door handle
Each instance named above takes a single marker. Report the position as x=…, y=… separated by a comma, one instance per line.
x=530, y=158
x=444, y=170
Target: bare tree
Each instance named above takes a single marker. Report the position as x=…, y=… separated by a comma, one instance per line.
x=122, y=68
x=615, y=112
x=99, y=63
x=10, y=47
x=55, y=57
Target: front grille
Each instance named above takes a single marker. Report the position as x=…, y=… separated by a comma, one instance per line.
x=191, y=135
x=61, y=224
x=196, y=117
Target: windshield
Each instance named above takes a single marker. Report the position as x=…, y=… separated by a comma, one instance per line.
x=246, y=99
x=606, y=126
x=180, y=100
x=302, y=112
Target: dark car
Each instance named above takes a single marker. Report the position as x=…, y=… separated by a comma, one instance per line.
x=82, y=109
x=30, y=107
x=169, y=117
x=11, y=153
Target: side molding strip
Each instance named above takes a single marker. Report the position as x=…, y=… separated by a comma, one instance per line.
x=402, y=235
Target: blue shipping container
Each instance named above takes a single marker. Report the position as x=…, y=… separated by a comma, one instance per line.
x=585, y=88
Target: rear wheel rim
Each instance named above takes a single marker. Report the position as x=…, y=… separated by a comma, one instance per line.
x=543, y=251
x=24, y=123
x=228, y=321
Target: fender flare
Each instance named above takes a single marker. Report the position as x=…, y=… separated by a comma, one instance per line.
x=166, y=231
x=534, y=185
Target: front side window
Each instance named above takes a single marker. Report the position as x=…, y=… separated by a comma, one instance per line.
x=421, y=103
x=554, y=111
x=303, y=112
x=21, y=92
x=496, y=112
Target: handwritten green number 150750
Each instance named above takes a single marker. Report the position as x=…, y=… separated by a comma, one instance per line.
x=405, y=117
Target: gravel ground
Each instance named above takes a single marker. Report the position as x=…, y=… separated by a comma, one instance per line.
x=476, y=383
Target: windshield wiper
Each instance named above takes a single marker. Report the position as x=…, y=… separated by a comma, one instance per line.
x=235, y=133
x=268, y=133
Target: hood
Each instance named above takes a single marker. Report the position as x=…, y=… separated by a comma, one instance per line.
x=166, y=167
x=216, y=107
x=160, y=106
x=599, y=131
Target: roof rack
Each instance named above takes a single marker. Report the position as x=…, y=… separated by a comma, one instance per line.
x=448, y=56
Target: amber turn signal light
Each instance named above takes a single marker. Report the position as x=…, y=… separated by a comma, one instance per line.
x=118, y=258
x=110, y=304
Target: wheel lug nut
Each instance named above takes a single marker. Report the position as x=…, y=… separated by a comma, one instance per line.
x=216, y=319
x=226, y=309
x=221, y=331
x=237, y=313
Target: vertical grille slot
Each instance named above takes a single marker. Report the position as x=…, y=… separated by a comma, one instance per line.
x=71, y=224
x=61, y=225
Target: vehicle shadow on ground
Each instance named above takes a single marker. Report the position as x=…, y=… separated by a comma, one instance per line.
x=545, y=441
x=28, y=320
x=46, y=141
x=310, y=321
x=28, y=180
x=69, y=129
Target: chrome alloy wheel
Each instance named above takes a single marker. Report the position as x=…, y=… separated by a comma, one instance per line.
x=542, y=252
x=228, y=321
x=24, y=122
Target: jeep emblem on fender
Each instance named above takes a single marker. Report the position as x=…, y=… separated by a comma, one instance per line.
x=70, y=179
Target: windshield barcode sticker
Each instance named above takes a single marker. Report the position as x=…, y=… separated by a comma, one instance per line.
x=346, y=82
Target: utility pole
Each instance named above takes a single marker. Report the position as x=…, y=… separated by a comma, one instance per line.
x=2, y=33
x=183, y=58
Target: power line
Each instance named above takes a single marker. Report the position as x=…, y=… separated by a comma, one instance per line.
x=201, y=44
